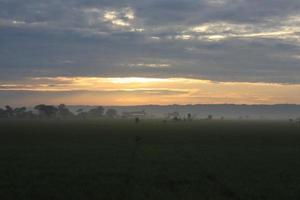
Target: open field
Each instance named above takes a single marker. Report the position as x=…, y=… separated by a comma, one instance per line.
x=185, y=160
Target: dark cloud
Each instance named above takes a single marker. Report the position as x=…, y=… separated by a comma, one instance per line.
x=238, y=40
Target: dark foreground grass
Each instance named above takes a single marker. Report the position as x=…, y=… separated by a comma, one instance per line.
x=186, y=160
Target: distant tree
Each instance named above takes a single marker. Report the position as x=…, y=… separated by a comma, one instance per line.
x=189, y=116
x=79, y=110
x=46, y=110
x=2, y=113
x=173, y=115
x=96, y=112
x=298, y=120
x=81, y=113
x=176, y=119
x=9, y=111
x=29, y=115
x=20, y=112
x=111, y=113
x=209, y=117
x=63, y=111
x=136, y=120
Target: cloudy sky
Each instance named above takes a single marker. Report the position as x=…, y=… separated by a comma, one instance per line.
x=149, y=52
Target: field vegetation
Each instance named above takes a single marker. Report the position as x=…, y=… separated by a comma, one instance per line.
x=152, y=159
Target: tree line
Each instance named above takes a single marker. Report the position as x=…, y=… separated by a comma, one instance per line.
x=50, y=111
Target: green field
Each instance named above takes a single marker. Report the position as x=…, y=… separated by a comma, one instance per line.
x=185, y=160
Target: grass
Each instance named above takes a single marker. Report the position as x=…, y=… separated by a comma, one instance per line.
x=102, y=159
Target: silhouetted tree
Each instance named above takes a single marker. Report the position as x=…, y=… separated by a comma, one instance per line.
x=20, y=112
x=29, y=115
x=2, y=113
x=136, y=120
x=46, y=110
x=96, y=112
x=298, y=120
x=79, y=110
x=174, y=116
x=111, y=113
x=63, y=111
x=9, y=111
x=81, y=113
x=189, y=116
x=176, y=119
x=209, y=117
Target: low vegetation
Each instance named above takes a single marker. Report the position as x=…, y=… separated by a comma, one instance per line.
x=120, y=159
x=61, y=111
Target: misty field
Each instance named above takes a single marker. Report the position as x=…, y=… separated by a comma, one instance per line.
x=119, y=159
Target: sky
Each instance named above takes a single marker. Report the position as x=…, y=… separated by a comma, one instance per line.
x=133, y=52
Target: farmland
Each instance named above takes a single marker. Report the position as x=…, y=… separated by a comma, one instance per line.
x=120, y=159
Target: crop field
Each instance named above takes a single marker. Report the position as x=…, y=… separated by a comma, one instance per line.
x=120, y=159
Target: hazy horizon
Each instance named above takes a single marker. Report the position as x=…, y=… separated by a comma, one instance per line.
x=141, y=105
x=198, y=111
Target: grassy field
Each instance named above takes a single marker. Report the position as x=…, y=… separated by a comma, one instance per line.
x=185, y=160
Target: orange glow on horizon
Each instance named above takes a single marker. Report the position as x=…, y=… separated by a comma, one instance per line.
x=141, y=91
